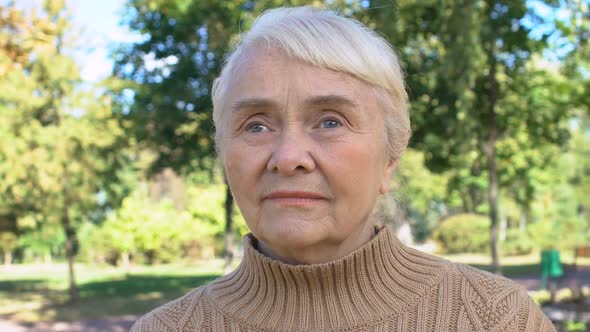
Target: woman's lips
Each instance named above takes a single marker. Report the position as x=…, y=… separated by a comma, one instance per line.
x=294, y=198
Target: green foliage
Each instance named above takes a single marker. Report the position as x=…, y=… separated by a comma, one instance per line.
x=561, y=218
x=482, y=107
x=171, y=110
x=517, y=243
x=60, y=144
x=8, y=242
x=42, y=241
x=468, y=233
x=575, y=326
x=206, y=206
x=140, y=226
x=96, y=246
x=463, y=233
x=157, y=232
x=422, y=192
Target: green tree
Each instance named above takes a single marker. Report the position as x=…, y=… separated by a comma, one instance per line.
x=468, y=64
x=173, y=70
x=144, y=230
x=39, y=239
x=561, y=210
x=422, y=193
x=575, y=44
x=59, y=143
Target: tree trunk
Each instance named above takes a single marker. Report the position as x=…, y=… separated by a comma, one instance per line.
x=47, y=259
x=523, y=221
x=490, y=146
x=473, y=191
x=466, y=200
x=70, y=253
x=228, y=239
x=490, y=151
x=125, y=261
x=493, y=203
x=7, y=258
x=503, y=226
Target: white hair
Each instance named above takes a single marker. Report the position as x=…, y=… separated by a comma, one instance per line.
x=328, y=40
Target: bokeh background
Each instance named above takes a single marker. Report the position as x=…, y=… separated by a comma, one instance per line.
x=112, y=202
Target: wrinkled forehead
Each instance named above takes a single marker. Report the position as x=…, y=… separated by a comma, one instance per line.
x=270, y=73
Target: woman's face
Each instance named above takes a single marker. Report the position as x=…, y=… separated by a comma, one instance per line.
x=304, y=152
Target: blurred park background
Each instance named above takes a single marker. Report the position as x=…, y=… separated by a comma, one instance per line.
x=112, y=202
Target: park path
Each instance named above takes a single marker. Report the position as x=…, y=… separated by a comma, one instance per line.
x=114, y=324
x=123, y=323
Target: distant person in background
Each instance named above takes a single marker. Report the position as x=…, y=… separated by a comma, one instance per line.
x=312, y=118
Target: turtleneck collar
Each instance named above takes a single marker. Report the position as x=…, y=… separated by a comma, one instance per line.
x=379, y=279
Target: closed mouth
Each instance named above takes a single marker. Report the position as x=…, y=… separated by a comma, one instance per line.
x=302, y=195
x=294, y=199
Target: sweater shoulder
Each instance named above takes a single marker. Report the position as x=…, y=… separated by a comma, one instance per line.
x=181, y=312
x=496, y=303
x=485, y=284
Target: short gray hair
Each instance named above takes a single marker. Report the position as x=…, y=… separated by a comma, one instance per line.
x=328, y=40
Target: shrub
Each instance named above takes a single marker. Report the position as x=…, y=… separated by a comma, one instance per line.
x=517, y=243
x=157, y=232
x=463, y=233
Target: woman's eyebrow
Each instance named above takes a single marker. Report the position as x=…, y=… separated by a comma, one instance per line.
x=257, y=103
x=252, y=103
x=331, y=100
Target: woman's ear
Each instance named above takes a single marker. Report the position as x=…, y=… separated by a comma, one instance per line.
x=391, y=166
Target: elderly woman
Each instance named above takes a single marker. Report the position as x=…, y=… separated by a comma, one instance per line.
x=311, y=117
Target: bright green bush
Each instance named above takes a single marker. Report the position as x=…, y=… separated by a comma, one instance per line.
x=38, y=239
x=517, y=243
x=157, y=232
x=463, y=233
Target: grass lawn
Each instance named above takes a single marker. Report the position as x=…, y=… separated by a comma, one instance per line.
x=39, y=293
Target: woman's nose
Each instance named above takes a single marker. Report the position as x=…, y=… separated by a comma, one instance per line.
x=291, y=155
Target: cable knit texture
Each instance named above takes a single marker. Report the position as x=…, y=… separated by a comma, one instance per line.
x=382, y=286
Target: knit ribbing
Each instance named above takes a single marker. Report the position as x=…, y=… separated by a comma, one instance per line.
x=382, y=286
x=376, y=281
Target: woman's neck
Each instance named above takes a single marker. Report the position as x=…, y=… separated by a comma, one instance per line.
x=323, y=252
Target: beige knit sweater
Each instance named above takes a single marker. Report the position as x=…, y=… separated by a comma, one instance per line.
x=382, y=286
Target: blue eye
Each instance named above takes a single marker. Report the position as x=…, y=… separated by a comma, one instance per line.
x=330, y=123
x=256, y=127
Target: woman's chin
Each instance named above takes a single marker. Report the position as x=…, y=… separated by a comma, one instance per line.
x=295, y=234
